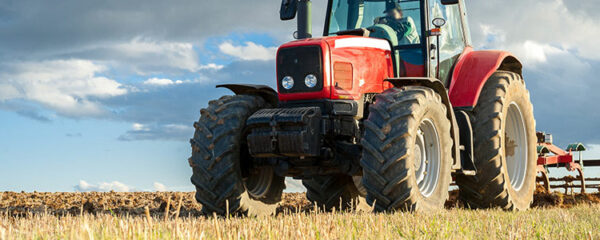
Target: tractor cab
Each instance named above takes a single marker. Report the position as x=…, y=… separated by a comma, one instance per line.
x=418, y=44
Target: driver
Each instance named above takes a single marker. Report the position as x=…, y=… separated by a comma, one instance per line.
x=404, y=26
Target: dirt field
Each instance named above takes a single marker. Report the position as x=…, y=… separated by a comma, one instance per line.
x=22, y=204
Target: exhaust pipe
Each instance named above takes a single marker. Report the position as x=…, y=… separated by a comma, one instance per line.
x=304, y=19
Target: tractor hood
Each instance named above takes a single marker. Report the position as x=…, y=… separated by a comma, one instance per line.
x=337, y=67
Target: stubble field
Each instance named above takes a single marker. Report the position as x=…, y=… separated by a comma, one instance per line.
x=177, y=216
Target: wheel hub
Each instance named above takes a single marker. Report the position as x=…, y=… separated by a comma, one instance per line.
x=427, y=157
x=420, y=156
x=515, y=146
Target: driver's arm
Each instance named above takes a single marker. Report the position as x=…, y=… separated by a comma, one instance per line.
x=411, y=36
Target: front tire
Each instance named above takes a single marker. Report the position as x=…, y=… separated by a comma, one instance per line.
x=505, y=147
x=407, y=146
x=225, y=182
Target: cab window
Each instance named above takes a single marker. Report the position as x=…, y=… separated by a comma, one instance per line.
x=452, y=41
x=353, y=14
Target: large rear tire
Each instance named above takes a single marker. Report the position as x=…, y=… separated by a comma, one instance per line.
x=407, y=146
x=225, y=182
x=332, y=191
x=505, y=147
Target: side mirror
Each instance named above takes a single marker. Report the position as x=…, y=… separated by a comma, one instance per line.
x=288, y=9
x=449, y=2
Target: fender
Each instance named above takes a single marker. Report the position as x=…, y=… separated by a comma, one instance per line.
x=439, y=88
x=473, y=70
x=263, y=91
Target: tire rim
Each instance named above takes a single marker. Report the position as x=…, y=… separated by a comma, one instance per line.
x=515, y=146
x=427, y=157
x=259, y=182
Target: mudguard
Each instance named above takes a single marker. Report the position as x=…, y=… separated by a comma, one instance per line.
x=473, y=70
x=263, y=91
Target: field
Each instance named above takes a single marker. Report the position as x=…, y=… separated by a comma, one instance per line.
x=142, y=215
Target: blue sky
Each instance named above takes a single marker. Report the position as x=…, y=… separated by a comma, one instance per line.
x=102, y=95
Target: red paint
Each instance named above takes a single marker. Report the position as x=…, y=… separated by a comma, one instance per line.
x=470, y=74
x=370, y=67
x=412, y=70
x=556, y=159
x=559, y=157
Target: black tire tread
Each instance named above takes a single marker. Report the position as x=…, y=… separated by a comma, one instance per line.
x=331, y=191
x=386, y=171
x=215, y=159
x=489, y=188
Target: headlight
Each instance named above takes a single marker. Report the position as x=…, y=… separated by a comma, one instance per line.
x=310, y=80
x=287, y=82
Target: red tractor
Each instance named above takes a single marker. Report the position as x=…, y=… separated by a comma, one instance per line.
x=391, y=104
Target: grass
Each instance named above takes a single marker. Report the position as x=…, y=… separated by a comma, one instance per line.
x=580, y=222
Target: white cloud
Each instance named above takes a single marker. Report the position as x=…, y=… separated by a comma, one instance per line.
x=528, y=51
x=159, y=187
x=535, y=52
x=161, y=82
x=116, y=186
x=211, y=66
x=147, y=56
x=139, y=127
x=532, y=52
x=84, y=186
x=251, y=51
x=68, y=87
x=157, y=132
x=516, y=22
x=178, y=127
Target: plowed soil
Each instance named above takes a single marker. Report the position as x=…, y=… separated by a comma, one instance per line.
x=24, y=204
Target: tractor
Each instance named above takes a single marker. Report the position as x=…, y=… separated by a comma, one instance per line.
x=388, y=107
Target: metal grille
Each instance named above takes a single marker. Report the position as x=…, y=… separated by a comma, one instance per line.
x=298, y=62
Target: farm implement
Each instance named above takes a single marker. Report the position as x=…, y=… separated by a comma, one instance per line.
x=386, y=108
x=551, y=156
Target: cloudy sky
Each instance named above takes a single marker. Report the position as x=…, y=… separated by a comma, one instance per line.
x=100, y=95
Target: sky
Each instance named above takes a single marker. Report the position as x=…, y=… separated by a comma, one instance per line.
x=101, y=95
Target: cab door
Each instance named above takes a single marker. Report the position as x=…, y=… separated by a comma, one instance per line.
x=451, y=41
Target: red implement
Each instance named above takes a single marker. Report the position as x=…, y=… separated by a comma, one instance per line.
x=549, y=155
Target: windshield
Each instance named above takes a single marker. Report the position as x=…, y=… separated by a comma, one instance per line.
x=404, y=16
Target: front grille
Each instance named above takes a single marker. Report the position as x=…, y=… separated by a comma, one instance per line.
x=298, y=62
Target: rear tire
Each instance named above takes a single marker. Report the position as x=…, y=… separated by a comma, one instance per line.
x=332, y=191
x=505, y=147
x=225, y=183
x=407, y=146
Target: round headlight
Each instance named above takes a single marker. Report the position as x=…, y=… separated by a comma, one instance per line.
x=310, y=80
x=287, y=82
